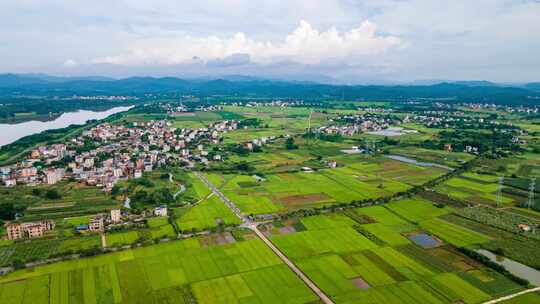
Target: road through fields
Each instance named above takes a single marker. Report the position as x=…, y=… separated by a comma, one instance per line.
x=248, y=223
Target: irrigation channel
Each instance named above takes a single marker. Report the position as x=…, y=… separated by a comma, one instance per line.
x=248, y=223
x=530, y=274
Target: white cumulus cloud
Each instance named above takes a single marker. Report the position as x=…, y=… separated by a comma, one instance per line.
x=305, y=45
x=70, y=63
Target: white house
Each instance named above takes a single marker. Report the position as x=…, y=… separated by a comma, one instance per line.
x=161, y=210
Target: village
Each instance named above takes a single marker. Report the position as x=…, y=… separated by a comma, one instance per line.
x=107, y=153
x=98, y=223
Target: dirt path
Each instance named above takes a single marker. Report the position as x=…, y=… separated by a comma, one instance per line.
x=248, y=223
x=103, y=241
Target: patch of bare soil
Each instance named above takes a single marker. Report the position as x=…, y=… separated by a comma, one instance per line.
x=287, y=230
x=360, y=283
x=302, y=199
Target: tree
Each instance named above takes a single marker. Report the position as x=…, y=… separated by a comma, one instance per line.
x=52, y=194
x=163, y=196
x=7, y=211
x=115, y=190
x=289, y=144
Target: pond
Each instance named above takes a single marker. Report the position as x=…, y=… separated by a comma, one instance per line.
x=424, y=240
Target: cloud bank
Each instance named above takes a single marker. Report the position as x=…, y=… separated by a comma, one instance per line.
x=403, y=40
x=305, y=45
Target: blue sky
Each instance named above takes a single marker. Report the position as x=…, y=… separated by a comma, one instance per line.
x=347, y=40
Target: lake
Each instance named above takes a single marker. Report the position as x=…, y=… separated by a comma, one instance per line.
x=12, y=132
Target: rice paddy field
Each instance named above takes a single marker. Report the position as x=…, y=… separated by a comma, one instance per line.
x=207, y=210
x=175, y=272
x=366, y=257
x=208, y=213
x=476, y=188
x=357, y=178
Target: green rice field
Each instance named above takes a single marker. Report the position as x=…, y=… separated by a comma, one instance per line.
x=353, y=268
x=176, y=272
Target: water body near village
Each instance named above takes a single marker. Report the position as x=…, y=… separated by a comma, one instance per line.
x=10, y=133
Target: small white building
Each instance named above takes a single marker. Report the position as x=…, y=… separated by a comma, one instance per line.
x=10, y=182
x=160, y=211
x=115, y=215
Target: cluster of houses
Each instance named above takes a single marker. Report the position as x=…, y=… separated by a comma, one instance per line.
x=97, y=223
x=349, y=125
x=507, y=109
x=271, y=103
x=107, y=153
x=104, y=97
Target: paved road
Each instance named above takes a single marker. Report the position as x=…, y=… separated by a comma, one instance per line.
x=248, y=223
x=182, y=187
x=517, y=294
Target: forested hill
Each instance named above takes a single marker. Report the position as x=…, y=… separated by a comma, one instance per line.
x=462, y=91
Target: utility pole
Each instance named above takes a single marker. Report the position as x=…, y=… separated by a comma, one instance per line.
x=499, y=191
x=532, y=185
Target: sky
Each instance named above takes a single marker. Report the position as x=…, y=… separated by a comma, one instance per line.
x=346, y=41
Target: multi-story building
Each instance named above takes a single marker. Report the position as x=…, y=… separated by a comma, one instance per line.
x=14, y=231
x=53, y=176
x=96, y=223
x=115, y=215
x=161, y=210
x=30, y=229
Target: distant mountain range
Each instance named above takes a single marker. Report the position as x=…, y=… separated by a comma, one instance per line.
x=472, y=91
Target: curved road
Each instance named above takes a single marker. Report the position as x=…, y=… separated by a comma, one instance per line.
x=248, y=223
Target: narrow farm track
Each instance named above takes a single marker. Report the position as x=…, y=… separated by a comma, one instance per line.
x=514, y=295
x=248, y=223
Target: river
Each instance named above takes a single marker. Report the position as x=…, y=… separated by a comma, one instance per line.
x=12, y=132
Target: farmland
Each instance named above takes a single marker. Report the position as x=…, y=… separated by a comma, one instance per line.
x=353, y=266
x=363, y=227
x=177, y=271
x=358, y=179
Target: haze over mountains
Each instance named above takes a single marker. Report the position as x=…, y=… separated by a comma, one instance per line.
x=474, y=91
